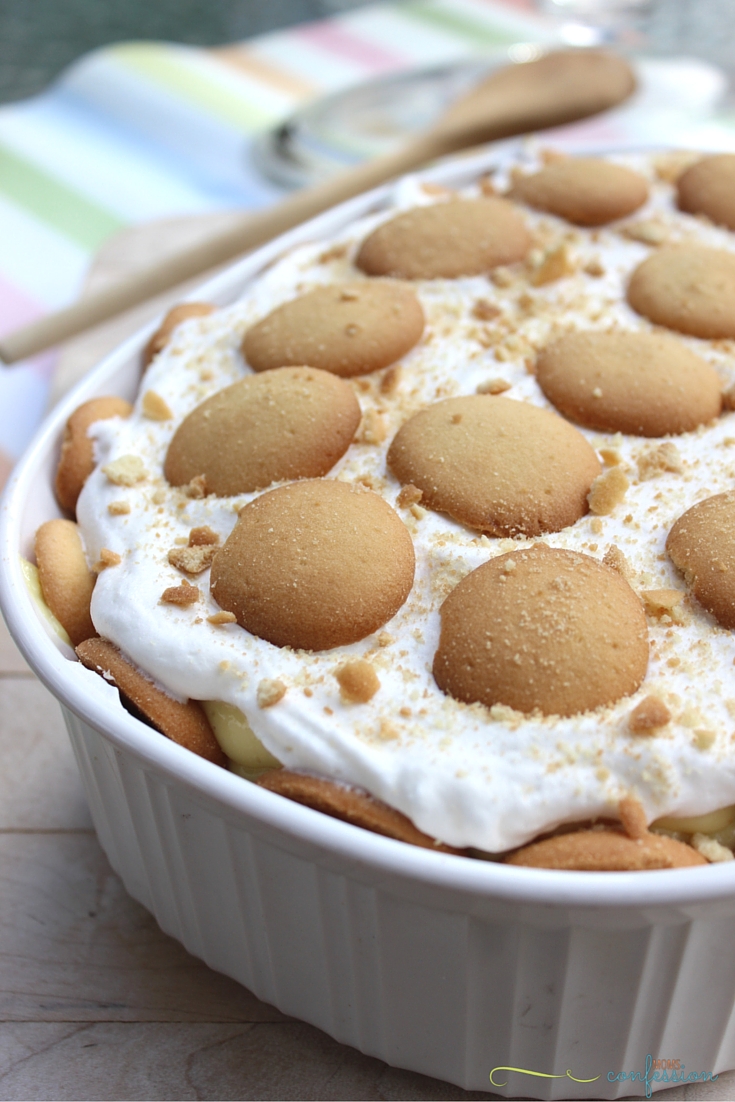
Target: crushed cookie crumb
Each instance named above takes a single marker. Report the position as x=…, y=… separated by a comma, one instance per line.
x=107, y=558
x=409, y=495
x=385, y=639
x=711, y=849
x=154, y=407
x=197, y=488
x=503, y=713
x=358, y=681
x=633, y=817
x=405, y=712
x=704, y=738
x=607, y=491
x=269, y=692
x=663, y=602
x=611, y=457
x=658, y=460
x=388, y=731
x=192, y=560
x=502, y=277
x=118, y=508
x=553, y=265
x=370, y=482
x=597, y=526
x=336, y=252
x=202, y=546
x=648, y=232
x=648, y=716
x=484, y=310
x=594, y=268
x=493, y=386
x=218, y=618
x=202, y=536
x=125, y=471
x=391, y=380
x=184, y=594
x=373, y=429
x=418, y=512
x=616, y=560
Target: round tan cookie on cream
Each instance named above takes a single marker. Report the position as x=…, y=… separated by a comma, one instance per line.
x=293, y=422
x=348, y=329
x=708, y=188
x=701, y=544
x=314, y=565
x=542, y=629
x=464, y=237
x=583, y=190
x=689, y=288
x=646, y=384
x=495, y=464
x=76, y=461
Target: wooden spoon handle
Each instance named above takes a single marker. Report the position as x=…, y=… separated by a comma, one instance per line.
x=566, y=85
x=252, y=230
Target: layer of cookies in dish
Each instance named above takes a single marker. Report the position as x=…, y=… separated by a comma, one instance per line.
x=434, y=529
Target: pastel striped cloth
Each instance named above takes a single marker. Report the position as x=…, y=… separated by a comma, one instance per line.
x=144, y=130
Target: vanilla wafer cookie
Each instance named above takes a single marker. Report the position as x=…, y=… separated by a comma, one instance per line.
x=314, y=565
x=348, y=329
x=583, y=190
x=185, y=724
x=351, y=805
x=542, y=629
x=446, y=240
x=647, y=384
x=292, y=422
x=65, y=578
x=76, y=461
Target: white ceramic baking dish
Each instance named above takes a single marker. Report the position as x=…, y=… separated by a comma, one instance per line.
x=456, y=968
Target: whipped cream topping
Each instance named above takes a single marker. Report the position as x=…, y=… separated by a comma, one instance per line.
x=468, y=775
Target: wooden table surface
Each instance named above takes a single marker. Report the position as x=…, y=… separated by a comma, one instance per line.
x=95, y=1001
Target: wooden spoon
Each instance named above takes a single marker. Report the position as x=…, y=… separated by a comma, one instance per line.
x=558, y=88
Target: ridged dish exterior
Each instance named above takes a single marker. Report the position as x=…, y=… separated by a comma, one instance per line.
x=449, y=985
x=435, y=963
